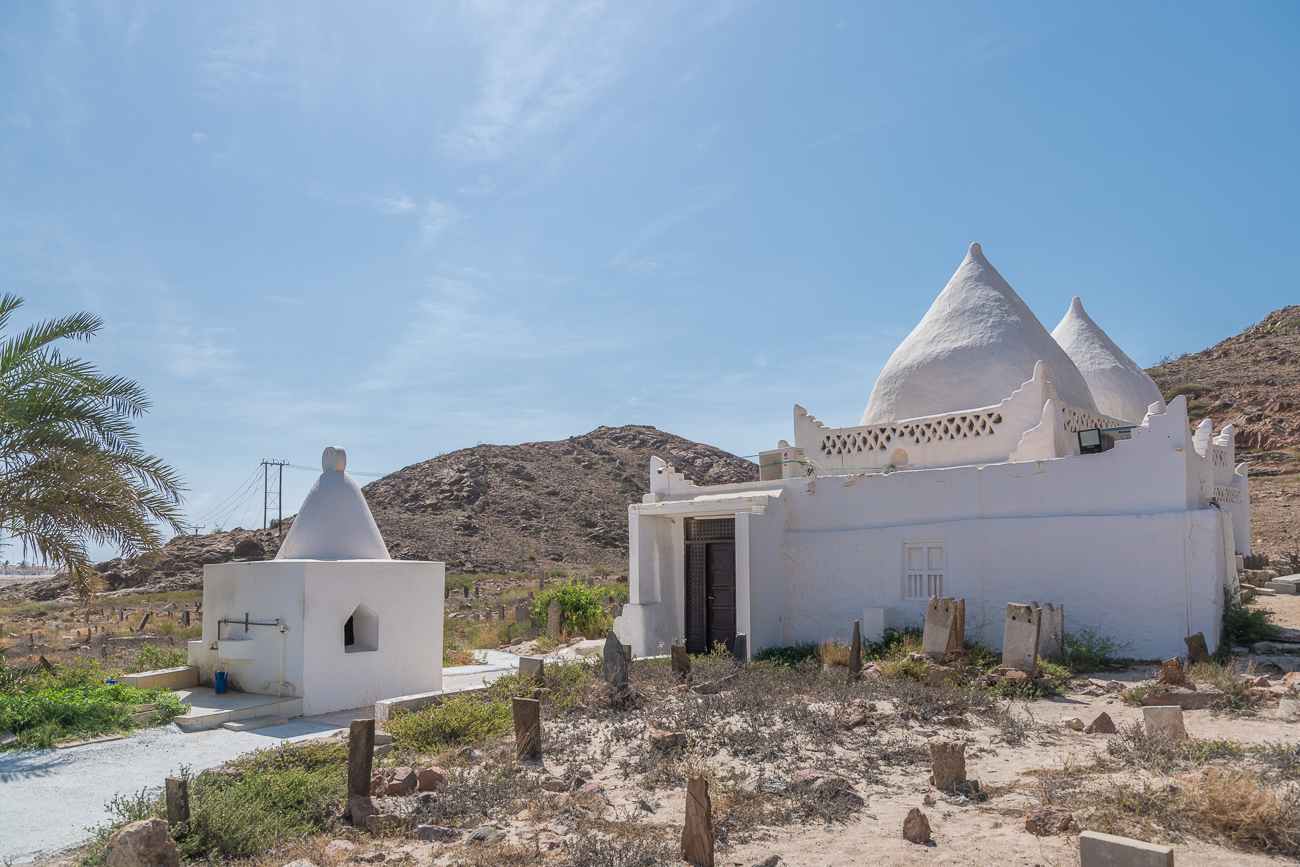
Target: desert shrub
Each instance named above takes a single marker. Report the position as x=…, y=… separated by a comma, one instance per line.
x=1243, y=623
x=152, y=658
x=580, y=608
x=892, y=641
x=789, y=654
x=1244, y=812
x=14, y=677
x=1236, y=695
x=39, y=717
x=1190, y=388
x=458, y=719
x=1086, y=649
x=833, y=651
x=190, y=633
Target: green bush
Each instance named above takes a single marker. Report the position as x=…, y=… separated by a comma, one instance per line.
x=1243, y=623
x=153, y=658
x=789, y=654
x=580, y=608
x=890, y=640
x=1086, y=649
x=455, y=720
x=39, y=717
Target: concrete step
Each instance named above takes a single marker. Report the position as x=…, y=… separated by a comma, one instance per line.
x=253, y=723
x=209, y=710
x=1283, y=587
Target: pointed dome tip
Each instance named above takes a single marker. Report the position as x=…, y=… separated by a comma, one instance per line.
x=975, y=250
x=1076, y=306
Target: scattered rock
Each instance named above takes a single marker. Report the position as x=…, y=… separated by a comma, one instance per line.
x=549, y=844
x=771, y=860
x=433, y=833
x=485, y=834
x=360, y=810
x=381, y=823
x=591, y=788
x=1048, y=821
x=403, y=782
x=374, y=856
x=1073, y=723
x=341, y=848
x=1102, y=725
x=142, y=844
x=1197, y=650
x=714, y=687
x=939, y=675
x=7, y=738
x=648, y=805
x=377, y=784
x=955, y=721
x=429, y=779
x=916, y=828
x=554, y=784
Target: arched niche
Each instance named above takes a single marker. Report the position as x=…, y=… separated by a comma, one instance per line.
x=361, y=630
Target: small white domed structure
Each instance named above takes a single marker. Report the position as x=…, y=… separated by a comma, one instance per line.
x=976, y=345
x=334, y=522
x=1120, y=386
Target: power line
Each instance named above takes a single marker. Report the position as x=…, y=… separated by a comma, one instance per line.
x=276, y=499
x=350, y=472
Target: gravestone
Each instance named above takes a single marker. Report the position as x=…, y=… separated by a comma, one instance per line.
x=945, y=627
x=1108, y=850
x=947, y=763
x=681, y=661
x=528, y=727
x=1197, y=651
x=615, y=663
x=855, y=651
x=1020, y=638
x=1051, y=634
x=521, y=614
x=361, y=754
x=697, y=834
x=530, y=667
x=740, y=650
x=553, y=619
x=1165, y=720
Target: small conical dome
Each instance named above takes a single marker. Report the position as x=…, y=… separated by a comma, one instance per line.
x=976, y=345
x=334, y=522
x=1121, y=388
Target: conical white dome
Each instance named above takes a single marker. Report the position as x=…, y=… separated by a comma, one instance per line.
x=334, y=522
x=976, y=345
x=1121, y=388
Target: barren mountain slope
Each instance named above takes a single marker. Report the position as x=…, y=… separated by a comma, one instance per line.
x=487, y=508
x=1252, y=380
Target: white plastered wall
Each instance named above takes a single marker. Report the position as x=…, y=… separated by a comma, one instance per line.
x=314, y=599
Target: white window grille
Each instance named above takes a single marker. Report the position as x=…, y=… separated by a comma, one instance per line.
x=924, y=570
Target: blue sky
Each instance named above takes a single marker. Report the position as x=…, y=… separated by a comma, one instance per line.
x=406, y=228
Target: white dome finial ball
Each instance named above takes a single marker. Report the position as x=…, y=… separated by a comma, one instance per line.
x=334, y=460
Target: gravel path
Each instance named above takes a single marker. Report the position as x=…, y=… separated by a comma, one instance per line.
x=49, y=798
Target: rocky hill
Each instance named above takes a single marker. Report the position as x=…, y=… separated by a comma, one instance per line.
x=541, y=505
x=1252, y=380
x=491, y=508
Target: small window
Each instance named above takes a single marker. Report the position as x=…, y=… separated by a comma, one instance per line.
x=361, y=630
x=923, y=569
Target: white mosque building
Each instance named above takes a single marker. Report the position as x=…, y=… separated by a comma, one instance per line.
x=995, y=462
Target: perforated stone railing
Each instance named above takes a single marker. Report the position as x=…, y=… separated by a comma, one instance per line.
x=883, y=437
x=1076, y=419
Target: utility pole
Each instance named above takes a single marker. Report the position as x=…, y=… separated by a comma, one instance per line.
x=272, y=499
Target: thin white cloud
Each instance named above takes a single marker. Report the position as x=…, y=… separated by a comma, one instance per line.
x=438, y=218
x=199, y=138
x=398, y=204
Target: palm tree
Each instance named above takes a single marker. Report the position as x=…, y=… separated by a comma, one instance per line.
x=71, y=468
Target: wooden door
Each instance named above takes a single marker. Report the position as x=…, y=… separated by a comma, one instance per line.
x=721, y=587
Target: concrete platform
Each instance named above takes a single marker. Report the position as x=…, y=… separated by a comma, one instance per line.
x=209, y=710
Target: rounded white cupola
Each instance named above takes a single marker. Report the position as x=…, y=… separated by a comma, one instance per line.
x=334, y=522
x=976, y=345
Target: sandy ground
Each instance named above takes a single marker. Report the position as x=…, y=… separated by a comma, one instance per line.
x=1284, y=608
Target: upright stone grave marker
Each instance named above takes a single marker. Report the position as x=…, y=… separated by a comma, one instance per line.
x=1197, y=651
x=681, y=661
x=1051, y=634
x=940, y=626
x=553, y=619
x=528, y=727
x=697, y=834
x=740, y=650
x=615, y=664
x=1020, y=639
x=855, y=651
x=361, y=754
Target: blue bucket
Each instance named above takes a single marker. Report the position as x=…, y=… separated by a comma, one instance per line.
x=219, y=683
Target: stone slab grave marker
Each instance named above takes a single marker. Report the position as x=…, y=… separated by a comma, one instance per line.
x=615, y=663
x=553, y=619
x=1166, y=720
x=521, y=614
x=697, y=834
x=740, y=650
x=1020, y=638
x=947, y=763
x=528, y=727
x=178, y=802
x=530, y=668
x=361, y=753
x=945, y=627
x=1107, y=850
x=1197, y=650
x=1051, y=632
x=855, y=651
x=681, y=661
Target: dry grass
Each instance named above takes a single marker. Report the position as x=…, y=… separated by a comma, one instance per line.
x=834, y=652
x=1242, y=811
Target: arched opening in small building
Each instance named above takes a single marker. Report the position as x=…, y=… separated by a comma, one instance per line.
x=349, y=633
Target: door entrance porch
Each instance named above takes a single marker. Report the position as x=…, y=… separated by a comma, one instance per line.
x=710, y=583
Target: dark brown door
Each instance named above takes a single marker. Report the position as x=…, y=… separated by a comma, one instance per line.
x=721, y=585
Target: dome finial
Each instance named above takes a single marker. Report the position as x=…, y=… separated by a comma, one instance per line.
x=333, y=460
x=975, y=250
